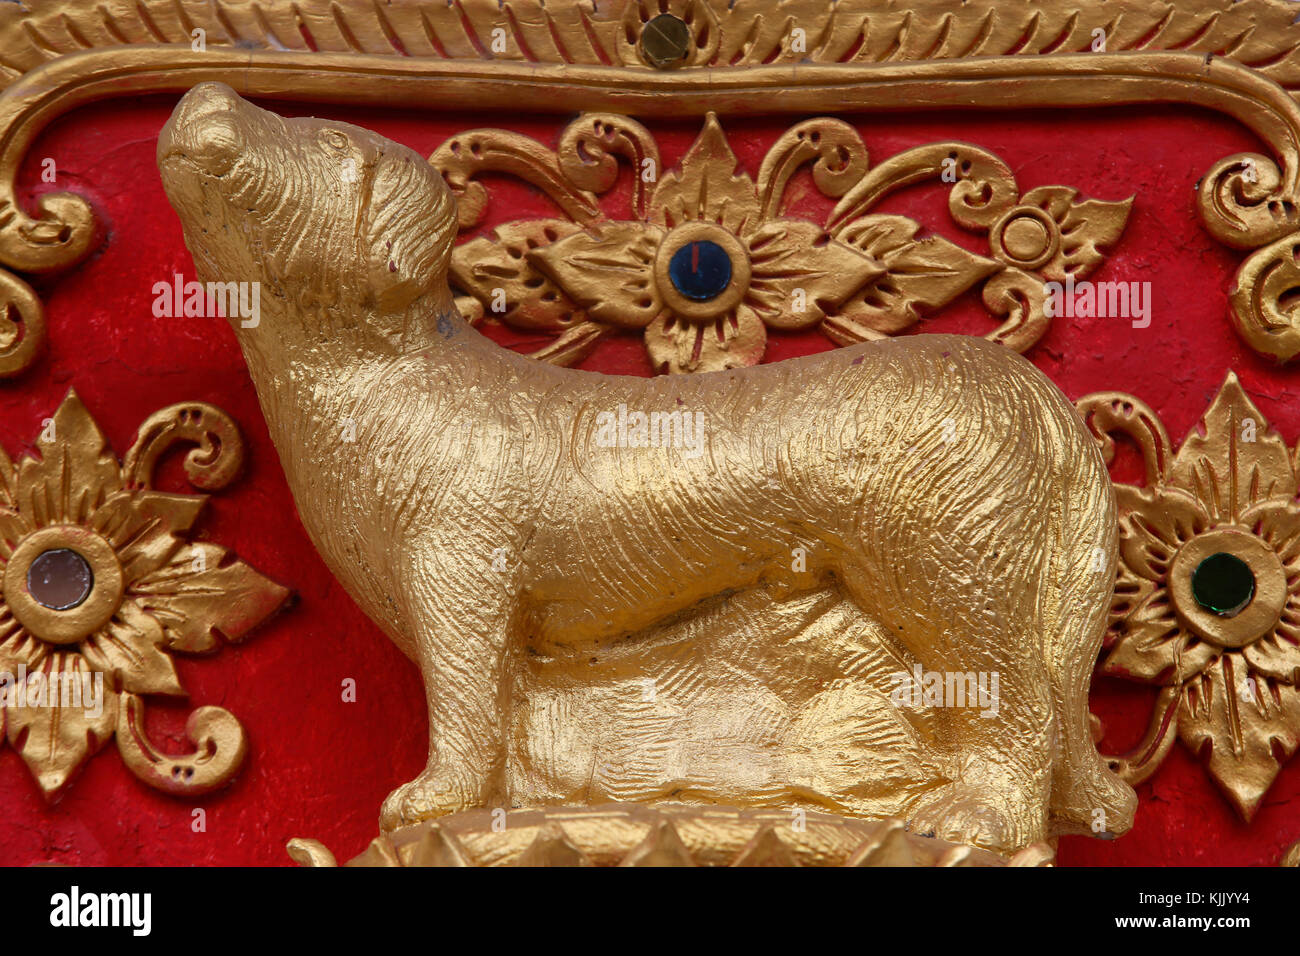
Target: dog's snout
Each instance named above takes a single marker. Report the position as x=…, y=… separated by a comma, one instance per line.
x=205, y=129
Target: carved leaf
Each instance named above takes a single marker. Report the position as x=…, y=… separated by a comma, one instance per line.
x=55, y=740
x=132, y=645
x=75, y=474
x=14, y=526
x=20, y=646
x=793, y=258
x=1086, y=226
x=1243, y=726
x=1277, y=653
x=1153, y=647
x=707, y=187
x=731, y=341
x=608, y=270
x=144, y=527
x=1238, y=460
x=1153, y=524
x=504, y=261
x=921, y=274
x=204, y=592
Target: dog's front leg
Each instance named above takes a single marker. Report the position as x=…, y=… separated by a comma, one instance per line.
x=462, y=647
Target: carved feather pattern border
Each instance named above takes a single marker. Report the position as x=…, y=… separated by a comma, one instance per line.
x=1261, y=34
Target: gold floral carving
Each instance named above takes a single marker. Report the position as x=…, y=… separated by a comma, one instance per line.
x=858, y=276
x=1227, y=675
x=636, y=835
x=151, y=591
x=1235, y=57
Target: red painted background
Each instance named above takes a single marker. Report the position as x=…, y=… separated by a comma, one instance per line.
x=320, y=767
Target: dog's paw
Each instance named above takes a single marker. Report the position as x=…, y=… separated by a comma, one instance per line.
x=963, y=813
x=427, y=797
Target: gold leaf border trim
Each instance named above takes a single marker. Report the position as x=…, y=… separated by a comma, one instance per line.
x=666, y=835
x=1260, y=34
x=1247, y=200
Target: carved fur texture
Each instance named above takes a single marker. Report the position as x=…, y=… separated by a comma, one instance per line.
x=720, y=619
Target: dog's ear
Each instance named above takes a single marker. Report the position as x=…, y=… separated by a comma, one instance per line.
x=411, y=230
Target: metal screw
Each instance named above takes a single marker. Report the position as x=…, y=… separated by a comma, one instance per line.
x=665, y=42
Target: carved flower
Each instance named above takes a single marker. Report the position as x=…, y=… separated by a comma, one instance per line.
x=1052, y=232
x=1208, y=591
x=100, y=585
x=709, y=268
x=710, y=259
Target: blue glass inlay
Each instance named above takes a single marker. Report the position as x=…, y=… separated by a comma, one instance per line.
x=700, y=270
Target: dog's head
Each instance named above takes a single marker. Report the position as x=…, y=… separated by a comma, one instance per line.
x=336, y=222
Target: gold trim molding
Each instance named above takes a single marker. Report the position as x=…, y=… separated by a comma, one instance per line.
x=1259, y=34
x=1237, y=58
x=637, y=835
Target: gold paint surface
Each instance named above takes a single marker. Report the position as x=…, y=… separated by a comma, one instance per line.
x=718, y=611
x=1291, y=856
x=1233, y=57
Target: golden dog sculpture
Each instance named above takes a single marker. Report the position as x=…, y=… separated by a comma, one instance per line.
x=935, y=495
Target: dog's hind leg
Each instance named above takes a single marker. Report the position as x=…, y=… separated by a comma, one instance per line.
x=1000, y=751
x=971, y=632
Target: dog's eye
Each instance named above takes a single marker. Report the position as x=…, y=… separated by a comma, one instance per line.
x=336, y=139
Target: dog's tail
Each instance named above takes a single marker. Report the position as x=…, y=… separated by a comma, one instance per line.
x=1087, y=797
